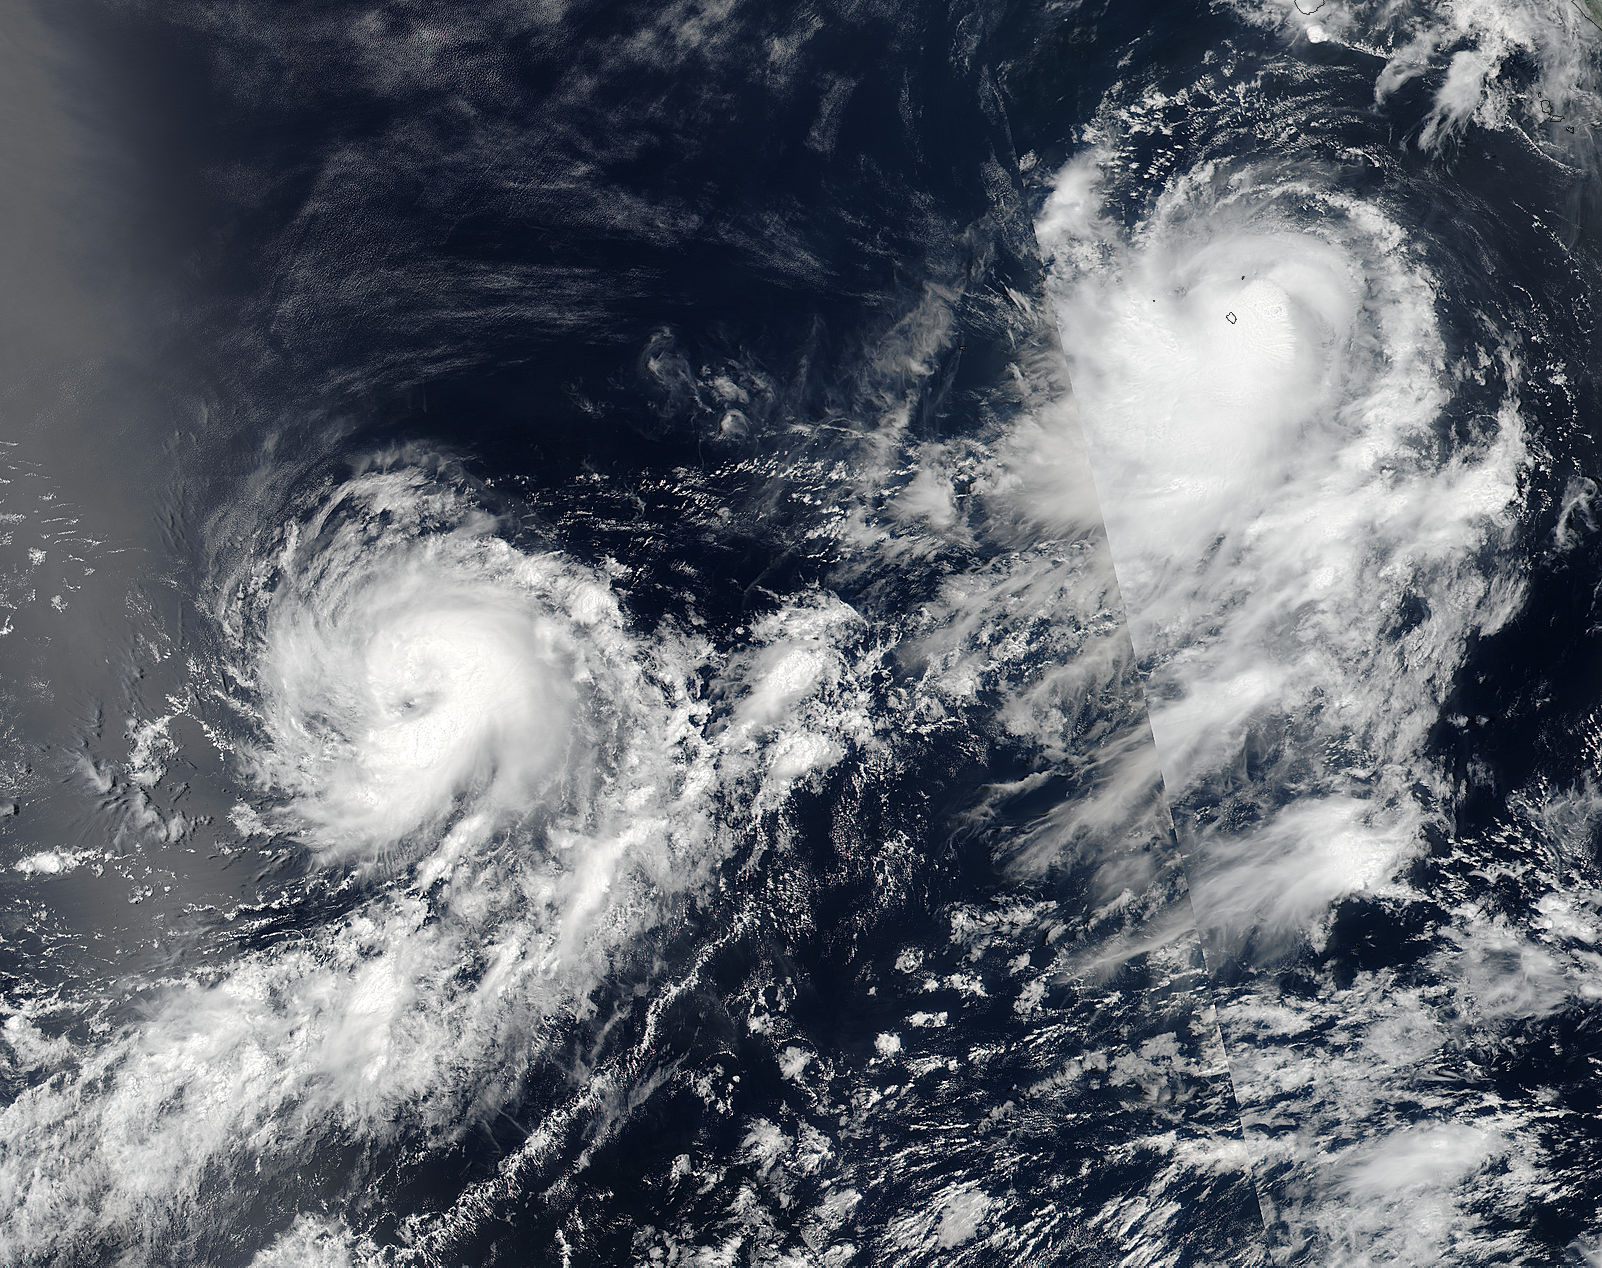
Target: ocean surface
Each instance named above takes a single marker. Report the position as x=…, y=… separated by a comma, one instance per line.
x=717, y=633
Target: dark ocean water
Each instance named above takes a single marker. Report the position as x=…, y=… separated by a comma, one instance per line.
x=740, y=634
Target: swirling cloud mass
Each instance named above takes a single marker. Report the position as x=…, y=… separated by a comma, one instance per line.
x=947, y=635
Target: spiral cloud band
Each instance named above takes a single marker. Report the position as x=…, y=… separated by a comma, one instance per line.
x=419, y=697
x=1309, y=462
x=404, y=682
x=801, y=635
x=1263, y=385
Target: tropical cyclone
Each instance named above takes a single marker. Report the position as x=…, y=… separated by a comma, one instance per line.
x=399, y=668
x=1313, y=511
